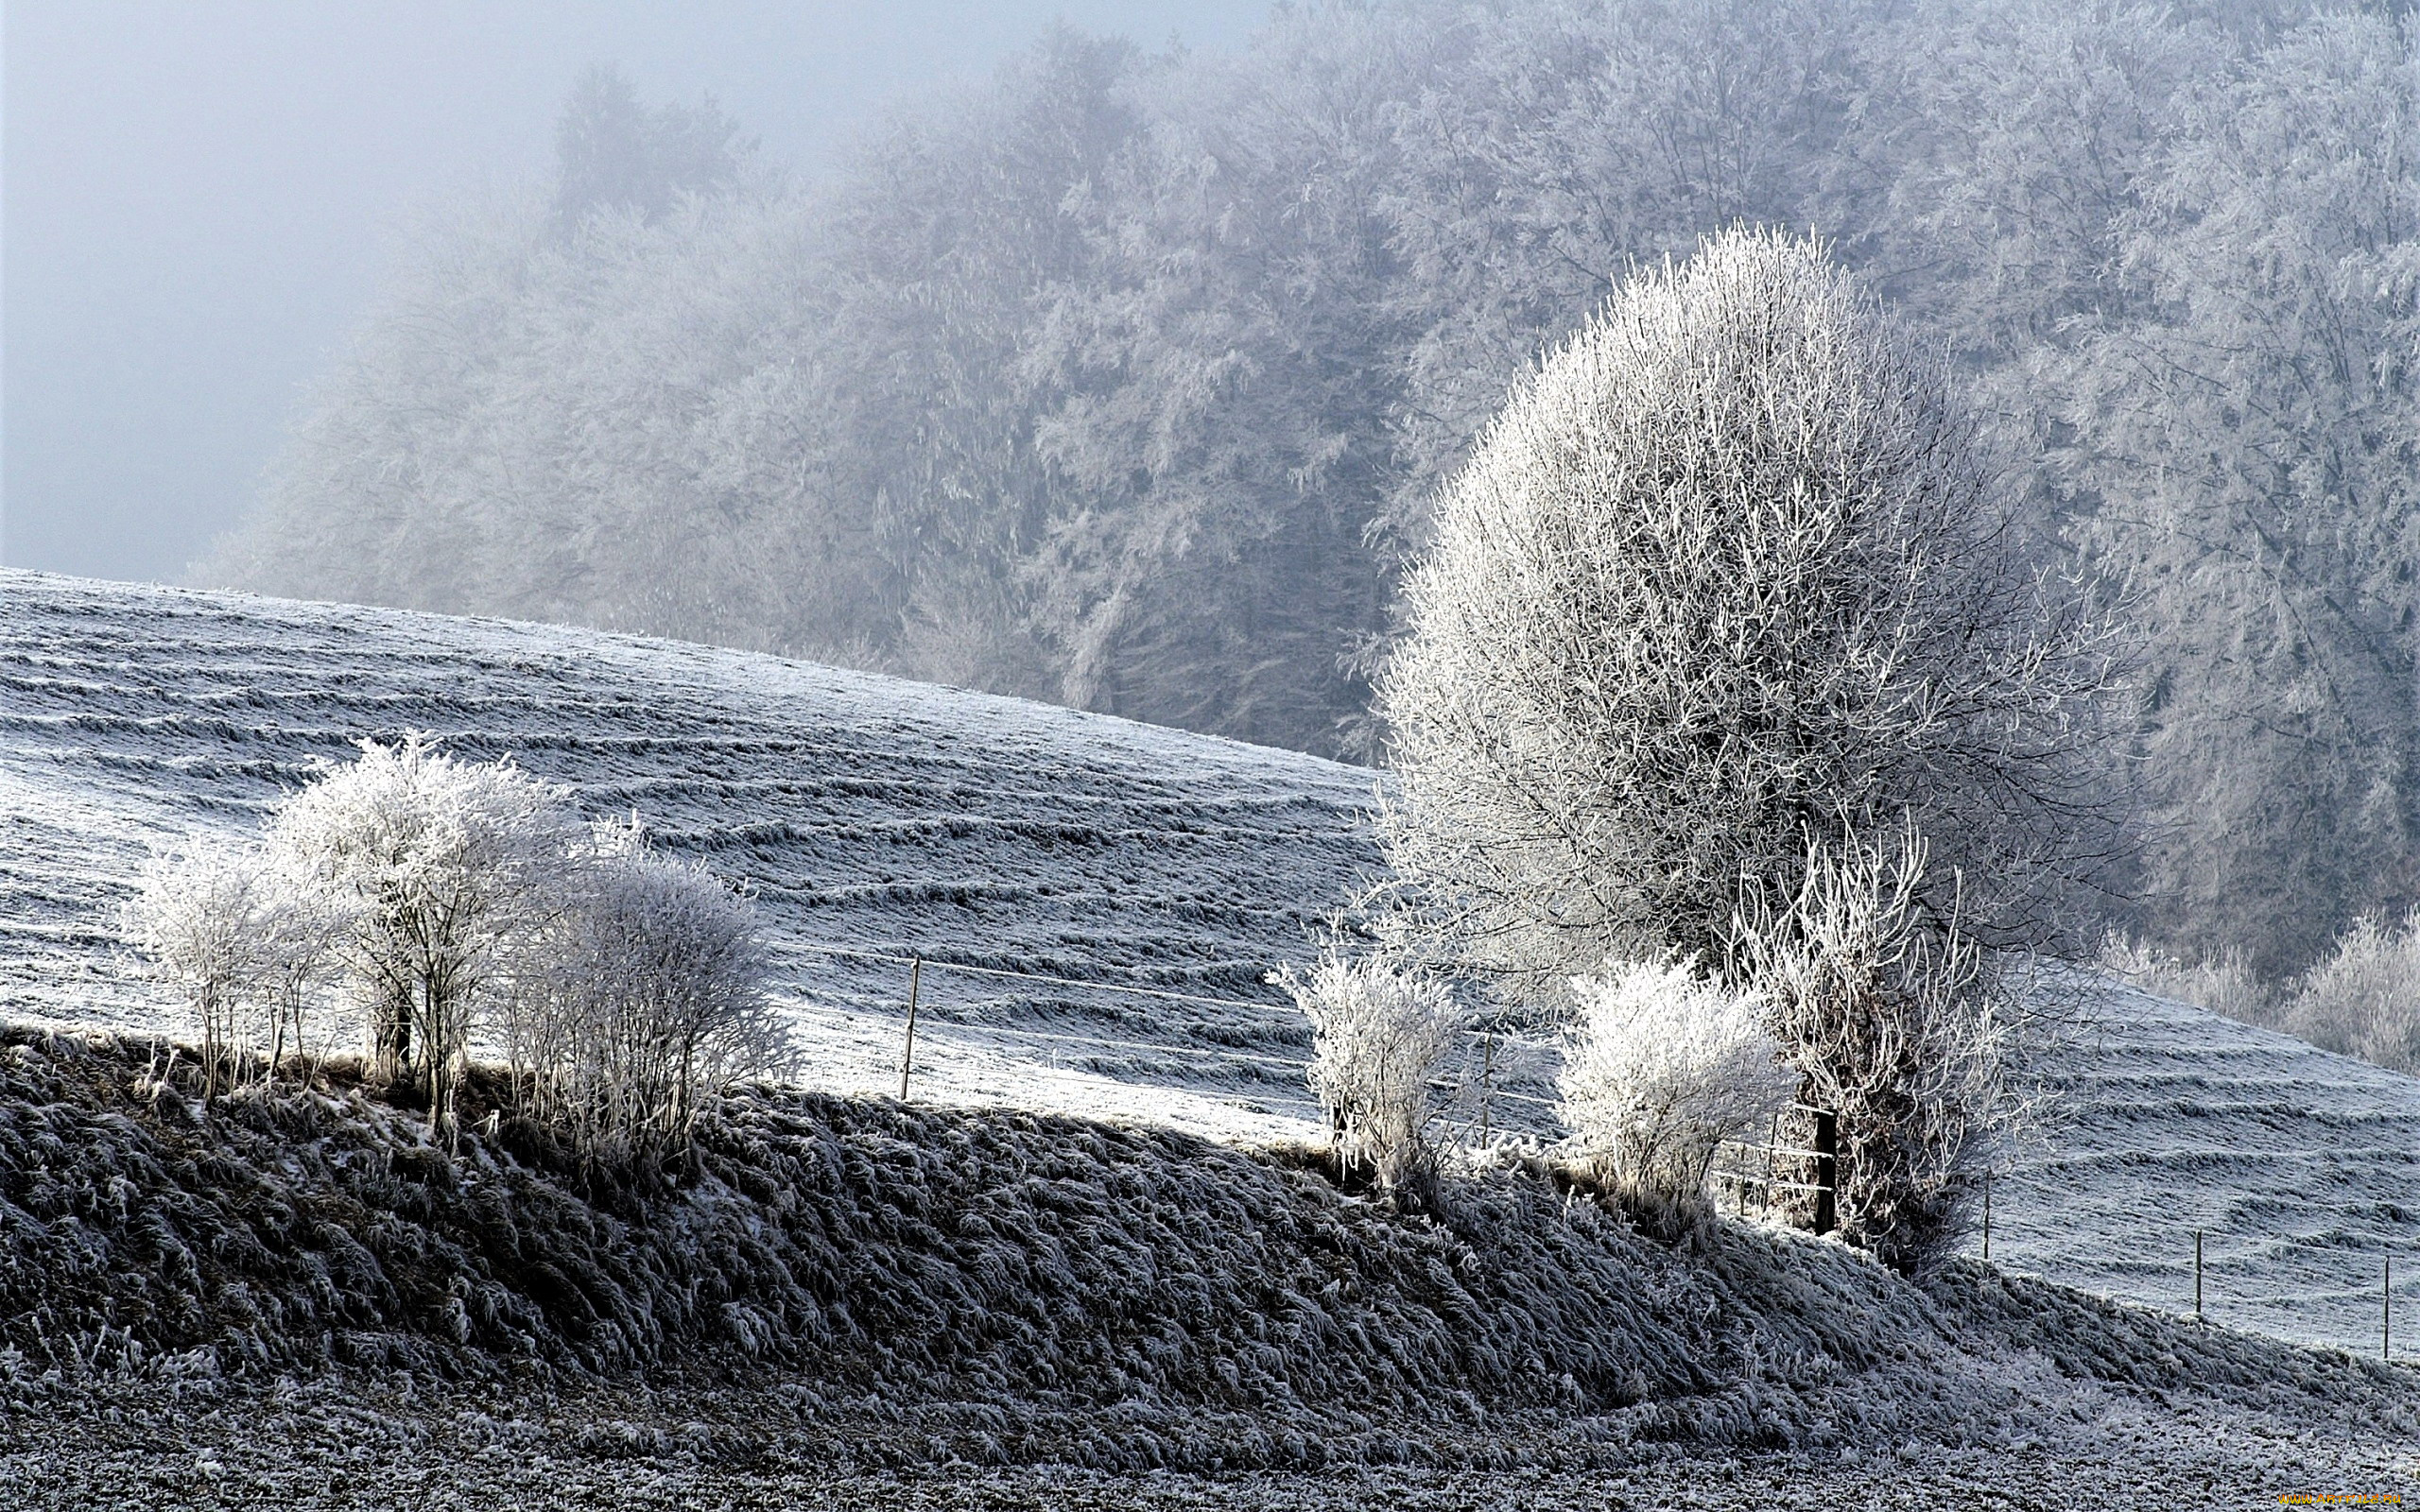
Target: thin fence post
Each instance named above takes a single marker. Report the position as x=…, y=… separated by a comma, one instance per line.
x=1827, y=1180
x=1987, y=1215
x=1773, y=1138
x=908, y=1054
x=2197, y=1275
x=1486, y=1081
x=2386, y=1313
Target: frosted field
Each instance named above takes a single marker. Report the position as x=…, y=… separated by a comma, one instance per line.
x=870, y=814
x=875, y=816
x=2302, y=1167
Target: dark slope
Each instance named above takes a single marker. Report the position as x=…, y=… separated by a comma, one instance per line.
x=1013, y=1286
x=874, y=812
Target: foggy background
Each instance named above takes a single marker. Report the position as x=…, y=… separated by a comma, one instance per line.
x=199, y=196
x=1127, y=378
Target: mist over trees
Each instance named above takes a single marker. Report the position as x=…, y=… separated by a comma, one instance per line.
x=1130, y=380
x=2246, y=437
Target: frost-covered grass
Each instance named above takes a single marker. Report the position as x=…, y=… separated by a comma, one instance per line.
x=2300, y=1167
x=857, y=1284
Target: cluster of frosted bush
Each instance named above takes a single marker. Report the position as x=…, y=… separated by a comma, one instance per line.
x=436, y=898
x=645, y=992
x=1859, y=1003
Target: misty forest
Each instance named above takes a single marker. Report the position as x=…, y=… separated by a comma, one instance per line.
x=1129, y=381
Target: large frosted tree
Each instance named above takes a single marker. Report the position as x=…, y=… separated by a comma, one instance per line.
x=1730, y=577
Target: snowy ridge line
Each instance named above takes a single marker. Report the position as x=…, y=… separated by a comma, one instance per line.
x=1247, y=1057
x=1256, y=1006
x=1163, y=1048
x=830, y=895
x=1211, y=1052
x=1499, y=1095
x=952, y=1030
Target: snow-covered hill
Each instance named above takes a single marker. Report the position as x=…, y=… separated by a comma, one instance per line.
x=870, y=815
x=879, y=815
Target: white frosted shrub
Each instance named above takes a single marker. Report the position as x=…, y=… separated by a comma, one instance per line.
x=1892, y=1013
x=440, y=867
x=200, y=928
x=1379, y=1033
x=1662, y=1066
x=243, y=943
x=2364, y=998
x=646, y=994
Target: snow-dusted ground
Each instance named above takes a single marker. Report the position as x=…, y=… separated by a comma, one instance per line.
x=870, y=815
x=2300, y=1168
x=306, y=1448
x=875, y=816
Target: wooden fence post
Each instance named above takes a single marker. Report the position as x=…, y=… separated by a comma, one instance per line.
x=1987, y=1215
x=908, y=1055
x=2197, y=1275
x=2386, y=1313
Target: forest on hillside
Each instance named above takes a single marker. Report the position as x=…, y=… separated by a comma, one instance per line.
x=1130, y=380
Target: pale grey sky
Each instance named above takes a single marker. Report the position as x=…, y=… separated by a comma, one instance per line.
x=197, y=196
